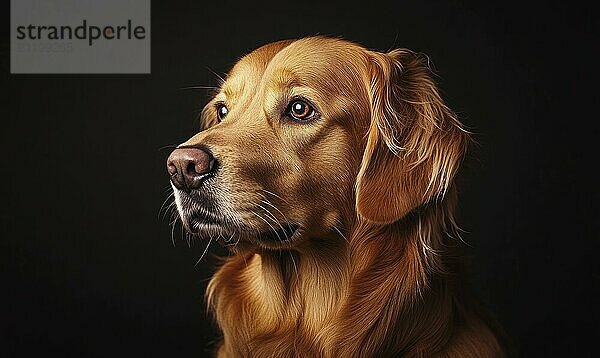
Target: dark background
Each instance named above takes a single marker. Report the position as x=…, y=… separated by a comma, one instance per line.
x=88, y=267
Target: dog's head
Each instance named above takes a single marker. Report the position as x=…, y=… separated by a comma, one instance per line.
x=307, y=135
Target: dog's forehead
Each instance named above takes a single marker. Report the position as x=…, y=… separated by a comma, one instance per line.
x=251, y=67
x=294, y=62
x=313, y=60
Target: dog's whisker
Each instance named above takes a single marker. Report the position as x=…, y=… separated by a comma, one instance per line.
x=170, y=212
x=228, y=240
x=203, y=253
x=168, y=146
x=238, y=240
x=185, y=237
x=342, y=235
x=267, y=202
x=239, y=229
x=172, y=208
x=212, y=88
x=269, y=214
x=271, y=226
x=173, y=229
x=272, y=217
x=163, y=204
x=293, y=262
x=216, y=74
x=275, y=195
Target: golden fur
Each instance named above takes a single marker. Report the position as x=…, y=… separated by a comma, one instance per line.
x=372, y=270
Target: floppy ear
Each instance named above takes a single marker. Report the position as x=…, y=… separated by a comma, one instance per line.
x=415, y=143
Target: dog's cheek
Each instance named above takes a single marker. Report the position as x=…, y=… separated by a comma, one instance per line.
x=326, y=179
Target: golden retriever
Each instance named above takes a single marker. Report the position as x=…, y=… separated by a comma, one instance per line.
x=328, y=170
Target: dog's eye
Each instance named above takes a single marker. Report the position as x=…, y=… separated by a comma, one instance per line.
x=300, y=111
x=221, y=111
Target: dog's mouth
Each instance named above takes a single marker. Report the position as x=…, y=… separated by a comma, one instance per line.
x=202, y=220
x=281, y=233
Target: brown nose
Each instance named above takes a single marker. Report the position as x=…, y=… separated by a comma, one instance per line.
x=189, y=166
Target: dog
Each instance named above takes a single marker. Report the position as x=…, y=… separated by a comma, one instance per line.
x=328, y=170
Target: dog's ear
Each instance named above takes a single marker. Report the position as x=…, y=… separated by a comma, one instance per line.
x=415, y=143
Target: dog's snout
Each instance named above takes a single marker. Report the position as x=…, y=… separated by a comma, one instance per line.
x=187, y=167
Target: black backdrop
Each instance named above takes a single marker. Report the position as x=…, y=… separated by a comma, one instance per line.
x=88, y=268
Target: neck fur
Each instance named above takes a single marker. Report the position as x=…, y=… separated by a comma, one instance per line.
x=372, y=287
